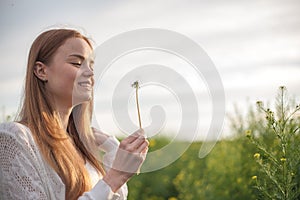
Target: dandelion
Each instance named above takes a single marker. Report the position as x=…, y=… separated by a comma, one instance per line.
x=254, y=177
x=136, y=86
x=256, y=155
x=282, y=88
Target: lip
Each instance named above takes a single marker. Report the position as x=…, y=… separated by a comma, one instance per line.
x=86, y=84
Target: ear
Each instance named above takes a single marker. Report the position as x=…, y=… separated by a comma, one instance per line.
x=40, y=70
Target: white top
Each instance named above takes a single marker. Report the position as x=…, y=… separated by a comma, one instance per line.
x=24, y=174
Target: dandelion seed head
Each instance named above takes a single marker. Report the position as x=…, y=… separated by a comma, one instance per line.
x=135, y=84
x=282, y=87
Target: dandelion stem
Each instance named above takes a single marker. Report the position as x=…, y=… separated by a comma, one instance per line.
x=137, y=104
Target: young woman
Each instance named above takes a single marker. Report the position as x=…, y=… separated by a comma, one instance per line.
x=52, y=152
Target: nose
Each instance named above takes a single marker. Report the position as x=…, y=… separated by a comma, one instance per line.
x=88, y=71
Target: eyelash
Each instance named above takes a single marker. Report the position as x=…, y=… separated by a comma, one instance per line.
x=76, y=64
x=79, y=65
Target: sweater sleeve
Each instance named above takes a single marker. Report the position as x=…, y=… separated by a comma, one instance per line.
x=101, y=191
x=19, y=176
x=109, y=145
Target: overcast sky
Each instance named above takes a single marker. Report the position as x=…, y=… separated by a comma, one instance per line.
x=255, y=44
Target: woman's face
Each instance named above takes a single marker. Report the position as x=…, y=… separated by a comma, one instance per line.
x=70, y=73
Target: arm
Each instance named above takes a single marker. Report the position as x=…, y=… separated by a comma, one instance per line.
x=107, y=144
x=129, y=157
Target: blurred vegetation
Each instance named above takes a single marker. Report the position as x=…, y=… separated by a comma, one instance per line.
x=260, y=161
x=224, y=174
x=236, y=168
x=5, y=117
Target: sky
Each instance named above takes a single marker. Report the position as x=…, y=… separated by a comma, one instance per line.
x=254, y=45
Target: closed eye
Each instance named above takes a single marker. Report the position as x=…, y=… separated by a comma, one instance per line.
x=76, y=64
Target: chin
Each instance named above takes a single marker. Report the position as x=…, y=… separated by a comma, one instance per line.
x=83, y=98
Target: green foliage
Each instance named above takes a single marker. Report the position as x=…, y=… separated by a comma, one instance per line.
x=236, y=169
x=4, y=117
x=224, y=174
x=278, y=150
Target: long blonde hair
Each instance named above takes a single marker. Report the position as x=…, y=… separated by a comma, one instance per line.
x=65, y=151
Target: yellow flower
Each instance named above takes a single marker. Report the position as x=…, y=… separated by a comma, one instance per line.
x=172, y=198
x=254, y=177
x=282, y=159
x=248, y=133
x=152, y=143
x=256, y=155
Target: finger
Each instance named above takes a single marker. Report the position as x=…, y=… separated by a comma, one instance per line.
x=134, y=136
x=137, y=142
x=133, y=146
x=143, y=148
x=131, y=138
x=141, y=131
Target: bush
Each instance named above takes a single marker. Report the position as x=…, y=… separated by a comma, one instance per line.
x=265, y=168
x=278, y=150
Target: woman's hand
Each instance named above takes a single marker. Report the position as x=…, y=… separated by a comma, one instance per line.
x=130, y=156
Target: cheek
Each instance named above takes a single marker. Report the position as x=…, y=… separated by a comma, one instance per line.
x=71, y=77
x=67, y=79
x=64, y=80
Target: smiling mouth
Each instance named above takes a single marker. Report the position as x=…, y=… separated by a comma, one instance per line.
x=85, y=84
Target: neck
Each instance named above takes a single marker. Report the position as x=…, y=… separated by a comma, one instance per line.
x=64, y=114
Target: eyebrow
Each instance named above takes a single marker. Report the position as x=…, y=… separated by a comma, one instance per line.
x=80, y=57
x=77, y=55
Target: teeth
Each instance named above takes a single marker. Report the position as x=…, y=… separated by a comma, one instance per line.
x=85, y=84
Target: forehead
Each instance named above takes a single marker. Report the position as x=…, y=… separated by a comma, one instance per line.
x=75, y=46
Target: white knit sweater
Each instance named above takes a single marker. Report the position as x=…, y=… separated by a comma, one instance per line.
x=26, y=175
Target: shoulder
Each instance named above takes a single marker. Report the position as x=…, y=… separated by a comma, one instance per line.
x=12, y=127
x=16, y=132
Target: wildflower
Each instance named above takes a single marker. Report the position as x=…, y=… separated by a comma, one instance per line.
x=259, y=103
x=254, y=177
x=282, y=159
x=248, y=133
x=152, y=143
x=256, y=155
x=292, y=174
